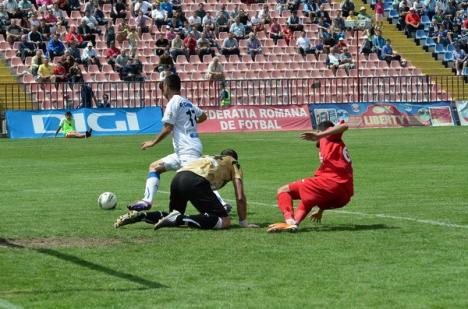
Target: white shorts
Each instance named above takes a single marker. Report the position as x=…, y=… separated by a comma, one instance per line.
x=173, y=162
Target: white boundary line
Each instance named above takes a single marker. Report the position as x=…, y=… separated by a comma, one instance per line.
x=7, y=305
x=363, y=214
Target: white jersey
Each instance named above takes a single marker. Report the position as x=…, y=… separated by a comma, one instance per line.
x=182, y=114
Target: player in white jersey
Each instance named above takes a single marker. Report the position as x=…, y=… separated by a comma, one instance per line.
x=180, y=118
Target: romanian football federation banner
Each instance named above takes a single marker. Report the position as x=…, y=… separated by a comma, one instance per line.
x=109, y=121
x=462, y=110
x=256, y=118
x=384, y=115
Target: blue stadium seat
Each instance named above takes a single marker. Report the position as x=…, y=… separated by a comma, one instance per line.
x=440, y=49
x=421, y=35
x=388, y=6
x=425, y=20
x=465, y=71
x=450, y=48
x=448, y=57
x=429, y=42
x=393, y=14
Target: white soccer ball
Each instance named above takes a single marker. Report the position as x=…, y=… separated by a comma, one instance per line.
x=107, y=200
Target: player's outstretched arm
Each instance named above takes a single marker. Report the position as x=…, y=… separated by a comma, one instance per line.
x=167, y=129
x=317, y=216
x=315, y=135
x=201, y=118
x=241, y=202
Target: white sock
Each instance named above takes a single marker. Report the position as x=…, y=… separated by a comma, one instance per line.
x=291, y=221
x=219, y=197
x=152, y=185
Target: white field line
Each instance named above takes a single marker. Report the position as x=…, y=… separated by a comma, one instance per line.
x=363, y=214
x=7, y=305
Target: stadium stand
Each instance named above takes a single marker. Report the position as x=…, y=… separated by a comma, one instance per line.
x=144, y=30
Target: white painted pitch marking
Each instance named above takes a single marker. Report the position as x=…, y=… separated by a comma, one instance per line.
x=7, y=305
x=364, y=214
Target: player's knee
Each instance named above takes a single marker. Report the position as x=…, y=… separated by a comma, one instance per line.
x=282, y=189
x=157, y=166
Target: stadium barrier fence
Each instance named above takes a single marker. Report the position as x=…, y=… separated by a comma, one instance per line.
x=45, y=96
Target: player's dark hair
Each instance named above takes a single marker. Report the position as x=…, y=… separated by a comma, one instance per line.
x=68, y=114
x=173, y=82
x=229, y=152
x=325, y=125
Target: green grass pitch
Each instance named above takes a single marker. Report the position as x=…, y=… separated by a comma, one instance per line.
x=401, y=243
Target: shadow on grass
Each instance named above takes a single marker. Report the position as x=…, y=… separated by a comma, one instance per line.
x=77, y=290
x=90, y=265
x=346, y=227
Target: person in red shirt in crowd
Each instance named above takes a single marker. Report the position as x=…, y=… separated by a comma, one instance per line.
x=331, y=188
x=111, y=54
x=59, y=74
x=191, y=44
x=72, y=35
x=288, y=35
x=413, y=22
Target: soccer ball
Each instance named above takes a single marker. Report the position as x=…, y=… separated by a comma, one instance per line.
x=107, y=200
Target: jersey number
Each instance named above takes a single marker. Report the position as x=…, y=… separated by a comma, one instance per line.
x=191, y=115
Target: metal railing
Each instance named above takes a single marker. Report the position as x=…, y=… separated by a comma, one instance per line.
x=243, y=92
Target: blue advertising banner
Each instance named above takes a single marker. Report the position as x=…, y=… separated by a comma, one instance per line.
x=106, y=121
x=384, y=115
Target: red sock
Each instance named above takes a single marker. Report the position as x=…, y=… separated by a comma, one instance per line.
x=301, y=212
x=285, y=204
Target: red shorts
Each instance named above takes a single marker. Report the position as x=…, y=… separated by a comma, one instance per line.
x=322, y=192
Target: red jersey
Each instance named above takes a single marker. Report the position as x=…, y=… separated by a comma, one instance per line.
x=335, y=160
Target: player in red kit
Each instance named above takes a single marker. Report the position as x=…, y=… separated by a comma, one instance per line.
x=330, y=188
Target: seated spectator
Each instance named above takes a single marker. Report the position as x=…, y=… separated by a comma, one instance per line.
x=67, y=61
x=346, y=7
x=36, y=61
x=159, y=16
x=367, y=47
x=26, y=49
x=294, y=23
x=204, y=47
x=133, y=39
x=35, y=37
x=25, y=6
x=90, y=7
x=190, y=44
x=326, y=38
x=74, y=51
x=132, y=72
x=339, y=22
x=195, y=21
x=104, y=102
x=119, y=10
x=59, y=74
x=200, y=11
x=11, y=6
x=100, y=16
x=178, y=48
x=222, y=21
x=280, y=6
x=44, y=72
x=55, y=47
x=324, y=16
x=91, y=21
x=275, y=31
x=346, y=60
x=13, y=32
x=293, y=5
x=413, y=22
x=254, y=47
x=389, y=55
x=141, y=6
x=304, y=46
x=256, y=24
x=288, y=34
x=90, y=56
x=230, y=46
x=363, y=16
x=333, y=60
x=144, y=23
x=209, y=22
x=461, y=59
x=165, y=61
x=59, y=15
x=122, y=31
x=166, y=6
x=111, y=54
x=73, y=36
x=243, y=18
x=442, y=36
x=351, y=21
x=378, y=42
x=264, y=15
x=215, y=70
x=237, y=29
x=110, y=35
x=170, y=34
x=121, y=61
x=86, y=32
x=162, y=44
x=341, y=44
